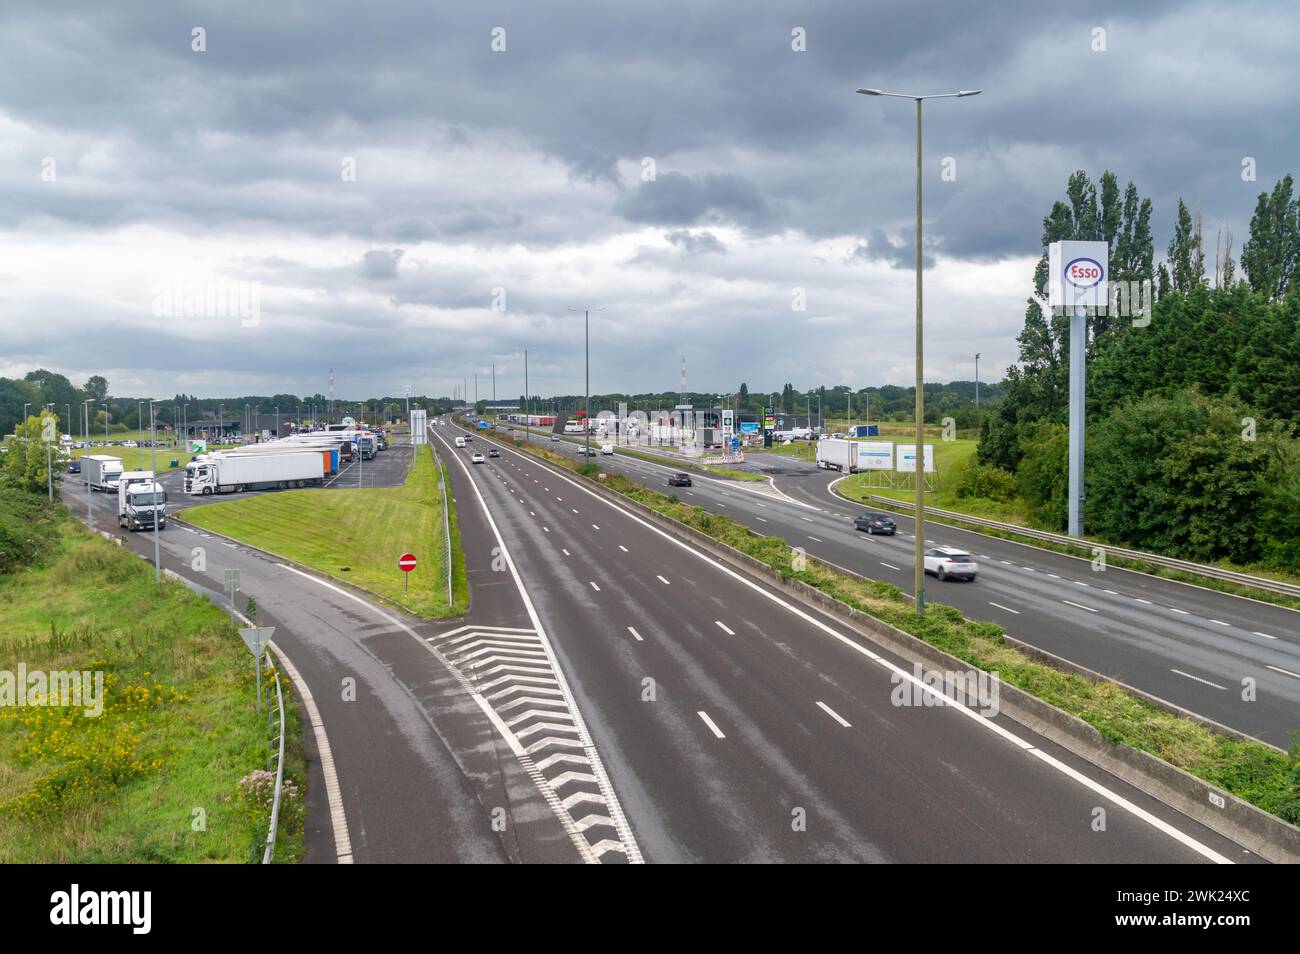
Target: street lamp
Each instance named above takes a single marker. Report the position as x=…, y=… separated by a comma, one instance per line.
x=586, y=340
x=919, y=581
x=977, y=380
x=157, y=514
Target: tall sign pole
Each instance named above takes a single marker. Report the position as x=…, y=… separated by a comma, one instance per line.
x=1078, y=279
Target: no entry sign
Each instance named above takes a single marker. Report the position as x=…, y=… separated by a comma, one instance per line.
x=406, y=562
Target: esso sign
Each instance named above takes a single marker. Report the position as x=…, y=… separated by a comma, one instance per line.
x=1083, y=273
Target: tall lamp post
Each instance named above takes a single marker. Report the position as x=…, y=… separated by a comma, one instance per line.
x=586, y=345
x=919, y=581
x=977, y=380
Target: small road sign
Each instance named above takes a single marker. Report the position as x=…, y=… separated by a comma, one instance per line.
x=406, y=562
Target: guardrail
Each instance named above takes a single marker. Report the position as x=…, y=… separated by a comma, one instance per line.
x=279, y=777
x=1171, y=563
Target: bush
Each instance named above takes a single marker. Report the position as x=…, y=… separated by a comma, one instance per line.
x=1044, y=474
x=29, y=526
x=988, y=482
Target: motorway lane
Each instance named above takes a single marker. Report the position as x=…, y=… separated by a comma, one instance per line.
x=420, y=768
x=745, y=734
x=1188, y=645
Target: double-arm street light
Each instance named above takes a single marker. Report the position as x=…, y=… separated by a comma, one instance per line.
x=920, y=386
x=586, y=345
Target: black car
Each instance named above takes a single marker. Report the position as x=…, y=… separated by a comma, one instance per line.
x=587, y=451
x=74, y=466
x=494, y=452
x=679, y=480
x=875, y=523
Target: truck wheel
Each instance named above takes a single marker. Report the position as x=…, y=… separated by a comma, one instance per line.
x=207, y=491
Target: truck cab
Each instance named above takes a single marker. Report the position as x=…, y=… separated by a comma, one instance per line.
x=141, y=500
x=200, y=477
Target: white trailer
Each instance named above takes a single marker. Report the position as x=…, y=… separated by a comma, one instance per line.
x=836, y=454
x=223, y=474
x=101, y=472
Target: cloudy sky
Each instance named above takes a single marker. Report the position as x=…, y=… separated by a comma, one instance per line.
x=410, y=191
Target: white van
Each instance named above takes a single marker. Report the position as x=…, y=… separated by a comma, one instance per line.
x=460, y=442
x=607, y=449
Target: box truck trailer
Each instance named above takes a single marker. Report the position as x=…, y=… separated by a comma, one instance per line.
x=836, y=454
x=223, y=474
x=329, y=454
x=140, y=501
x=101, y=472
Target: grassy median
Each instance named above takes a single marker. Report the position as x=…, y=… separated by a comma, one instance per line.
x=356, y=535
x=1251, y=771
x=172, y=768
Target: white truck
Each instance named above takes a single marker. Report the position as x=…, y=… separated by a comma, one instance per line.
x=101, y=472
x=835, y=454
x=223, y=474
x=140, y=501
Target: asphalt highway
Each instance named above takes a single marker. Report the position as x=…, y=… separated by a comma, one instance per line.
x=1198, y=648
x=736, y=725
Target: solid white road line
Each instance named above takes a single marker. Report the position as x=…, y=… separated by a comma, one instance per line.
x=834, y=715
x=724, y=627
x=325, y=756
x=711, y=724
x=1079, y=606
x=1207, y=682
x=635, y=635
x=1001, y=607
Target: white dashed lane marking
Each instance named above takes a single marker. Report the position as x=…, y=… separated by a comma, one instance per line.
x=713, y=727
x=724, y=627
x=1188, y=675
x=833, y=714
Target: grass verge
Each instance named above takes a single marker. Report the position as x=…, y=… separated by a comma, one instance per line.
x=1251, y=771
x=356, y=535
x=173, y=770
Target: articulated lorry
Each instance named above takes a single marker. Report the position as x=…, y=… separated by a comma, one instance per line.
x=233, y=473
x=329, y=452
x=836, y=454
x=140, y=501
x=101, y=472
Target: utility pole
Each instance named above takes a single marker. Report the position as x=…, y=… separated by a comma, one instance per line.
x=977, y=380
x=157, y=514
x=527, y=399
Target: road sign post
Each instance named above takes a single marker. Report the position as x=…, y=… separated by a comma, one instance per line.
x=232, y=586
x=406, y=563
x=256, y=639
x=1077, y=279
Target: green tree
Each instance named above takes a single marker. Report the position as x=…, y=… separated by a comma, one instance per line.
x=1043, y=475
x=1186, y=255
x=32, y=454
x=96, y=388
x=1175, y=474
x=1271, y=254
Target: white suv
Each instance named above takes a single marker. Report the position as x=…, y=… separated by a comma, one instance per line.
x=945, y=562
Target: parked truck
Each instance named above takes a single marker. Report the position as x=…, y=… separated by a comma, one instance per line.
x=224, y=474
x=836, y=454
x=140, y=501
x=101, y=472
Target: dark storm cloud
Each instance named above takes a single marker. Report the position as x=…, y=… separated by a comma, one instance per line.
x=540, y=147
x=673, y=198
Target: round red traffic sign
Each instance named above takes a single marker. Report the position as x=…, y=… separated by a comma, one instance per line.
x=406, y=562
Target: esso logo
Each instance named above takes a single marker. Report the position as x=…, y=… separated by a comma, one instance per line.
x=1083, y=273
